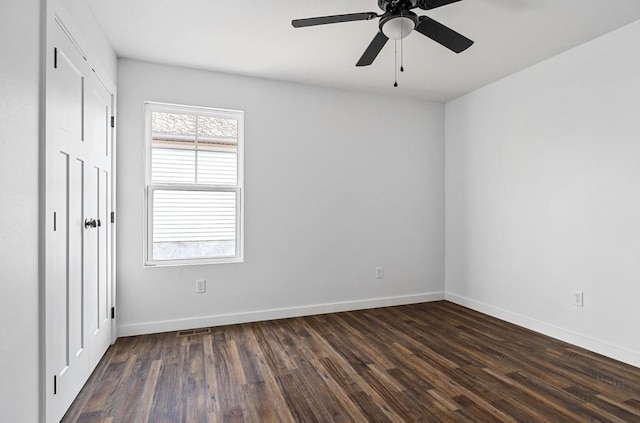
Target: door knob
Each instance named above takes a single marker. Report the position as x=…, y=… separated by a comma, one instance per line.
x=90, y=223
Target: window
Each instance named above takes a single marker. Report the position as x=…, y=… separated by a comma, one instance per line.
x=194, y=185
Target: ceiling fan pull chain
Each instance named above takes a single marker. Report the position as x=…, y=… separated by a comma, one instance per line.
x=401, y=46
x=395, y=66
x=402, y=55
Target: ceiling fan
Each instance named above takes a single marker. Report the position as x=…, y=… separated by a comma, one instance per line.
x=396, y=23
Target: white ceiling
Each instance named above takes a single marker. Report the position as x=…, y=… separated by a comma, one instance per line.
x=255, y=37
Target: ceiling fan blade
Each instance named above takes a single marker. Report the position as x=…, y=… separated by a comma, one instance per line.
x=373, y=50
x=322, y=20
x=443, y=35
x=432, y=4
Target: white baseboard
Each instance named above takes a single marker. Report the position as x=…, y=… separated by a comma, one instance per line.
x=588, y=343
x=281, y=313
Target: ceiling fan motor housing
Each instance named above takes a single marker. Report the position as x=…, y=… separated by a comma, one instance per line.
x=387, y=5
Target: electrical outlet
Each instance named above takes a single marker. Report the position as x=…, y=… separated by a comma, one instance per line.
x=578, y=298
x=201, y=286
x=379, y=273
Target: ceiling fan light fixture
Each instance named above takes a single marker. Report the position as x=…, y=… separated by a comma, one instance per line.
x=398, y=27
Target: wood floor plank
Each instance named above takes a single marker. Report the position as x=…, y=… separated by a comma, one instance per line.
x=116, y=403
x=213, y=401
x=194, y=391
x=167, y=404
x=259, y=407
x=229, y=382
x=151, y=380
x=433, y=362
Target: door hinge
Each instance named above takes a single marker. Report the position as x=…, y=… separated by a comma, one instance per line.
x=55, y=384
x=113, y=312
x=113, y=121
x=55, y=58
x=113, y=217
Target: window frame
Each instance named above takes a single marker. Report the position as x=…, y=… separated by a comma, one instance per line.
x=149, y=186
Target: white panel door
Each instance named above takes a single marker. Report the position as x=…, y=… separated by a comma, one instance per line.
x=78, y=229
x=98, y=204
x=67, y=347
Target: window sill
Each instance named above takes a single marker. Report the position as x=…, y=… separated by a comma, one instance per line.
x=193, y=262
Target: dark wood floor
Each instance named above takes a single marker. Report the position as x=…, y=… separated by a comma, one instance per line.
x=433, y=362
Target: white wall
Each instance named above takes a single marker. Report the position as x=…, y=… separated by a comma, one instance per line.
x=19, y=156
x=543, y=196
x=336, y=184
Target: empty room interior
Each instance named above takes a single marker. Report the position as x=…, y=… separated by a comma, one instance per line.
x=346, y=210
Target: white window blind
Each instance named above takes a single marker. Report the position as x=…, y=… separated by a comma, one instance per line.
x=179, y=166
x=182, y=216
